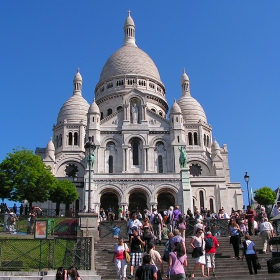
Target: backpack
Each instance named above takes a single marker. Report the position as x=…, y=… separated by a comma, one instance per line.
x=157, y=219
x=209, y=242
x=146, y=273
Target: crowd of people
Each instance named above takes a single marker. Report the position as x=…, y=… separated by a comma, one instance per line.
x=149, y=230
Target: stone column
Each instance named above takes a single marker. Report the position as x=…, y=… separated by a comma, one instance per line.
x=187, y=190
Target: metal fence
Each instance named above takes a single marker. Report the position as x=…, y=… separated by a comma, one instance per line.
x=219, y=227
x=34, y=254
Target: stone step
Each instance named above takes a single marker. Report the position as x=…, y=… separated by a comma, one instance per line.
x=226, y=267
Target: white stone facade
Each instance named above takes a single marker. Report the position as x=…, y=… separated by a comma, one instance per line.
x=137, y=142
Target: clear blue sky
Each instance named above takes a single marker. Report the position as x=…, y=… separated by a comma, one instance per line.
x=230, y=50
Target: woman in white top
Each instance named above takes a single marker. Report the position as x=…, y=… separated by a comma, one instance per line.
x=198, y=241
x=250, y=253
x=119, y=258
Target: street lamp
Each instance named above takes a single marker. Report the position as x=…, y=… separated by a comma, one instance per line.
x=90, y=147
x=247, y=178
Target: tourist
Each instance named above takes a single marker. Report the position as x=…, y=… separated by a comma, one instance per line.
x=175, y=216
x=197, y=241
x=211, y=243
x=61, y=274
x=119, y=258
x=276, y=211
x=167, y=248
x=156, y=260
x=177, y=238
x=181, y=225
x=73, y=274
x=146, y=270
x=135, y=244
x=250, y=217
x=234, y=229
x=266, y=231
x=169, y=219
x=249, y=252
x=147, y=233
x=177, y=262
x=156, y=221
x=33, y=217
x=133, y=222
x=198, y=225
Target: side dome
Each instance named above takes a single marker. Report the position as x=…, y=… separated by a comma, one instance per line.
x=191, y=109
x=175, y=109
x=73, y=110
x=129, y=59
x=94, y=108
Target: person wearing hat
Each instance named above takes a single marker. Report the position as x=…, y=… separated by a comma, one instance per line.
x=211, y=243
x=198, y=225
x=266, y=230
x=135, y=243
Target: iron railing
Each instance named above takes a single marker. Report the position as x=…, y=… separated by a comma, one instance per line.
x=34, y=254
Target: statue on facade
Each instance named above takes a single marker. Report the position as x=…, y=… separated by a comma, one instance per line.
x=134, y=113
x=90, y=159
x=183, y=157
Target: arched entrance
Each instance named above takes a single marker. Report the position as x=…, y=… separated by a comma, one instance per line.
x=165, y=200
x=109, y=200
x=137, y=201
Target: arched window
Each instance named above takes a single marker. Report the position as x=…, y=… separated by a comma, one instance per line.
x=57, y=141
x=70, y=139
x=154, y=110
x=119, y=108
x=178, y=138
x=135, y=153
x=177, y=119
x=160, y=164
x=101, y=117
x=211, y=205
x=201, y=199
x=204, y=140
x=92, y=119
x=160, y=113
x=60, y=140
x=207, y=141
x=110, y=164
x=76, y=138
x=195, y=138
x=190, y=138
x=109, y=112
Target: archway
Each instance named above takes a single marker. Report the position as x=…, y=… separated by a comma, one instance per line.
x=137, y=201
x=165, y=200
x=109, y=200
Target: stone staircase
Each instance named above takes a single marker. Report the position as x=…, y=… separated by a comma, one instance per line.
x=226, y=267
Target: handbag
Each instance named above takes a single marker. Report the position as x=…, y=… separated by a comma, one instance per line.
x=197, y=252
x=127, y=256
x=240, y=233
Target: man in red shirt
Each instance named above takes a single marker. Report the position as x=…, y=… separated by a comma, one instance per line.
x=211, y=243
x=250, y=217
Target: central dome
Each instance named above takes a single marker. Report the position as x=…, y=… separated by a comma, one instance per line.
x=129, y=59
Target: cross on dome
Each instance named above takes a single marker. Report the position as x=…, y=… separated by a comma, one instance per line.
x=129, y=12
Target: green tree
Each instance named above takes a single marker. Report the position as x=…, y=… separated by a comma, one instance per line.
x=5, y=189
x=26, y=176
x=64, y=192
x=265, y=196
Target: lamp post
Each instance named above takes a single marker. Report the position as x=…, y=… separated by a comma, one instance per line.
x=247, y=178
x=90, y=147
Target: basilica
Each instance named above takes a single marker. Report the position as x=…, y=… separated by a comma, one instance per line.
x=138, y=141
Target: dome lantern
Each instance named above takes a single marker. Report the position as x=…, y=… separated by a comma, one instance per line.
x=185, y=83
x=78, y=81
x=129, y=30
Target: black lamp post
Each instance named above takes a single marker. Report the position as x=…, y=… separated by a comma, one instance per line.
x=247, y=178
x=90, y=147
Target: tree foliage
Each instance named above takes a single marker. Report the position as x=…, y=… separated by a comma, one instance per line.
x=64, y=192
x=265, y=196
x=26, y=176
